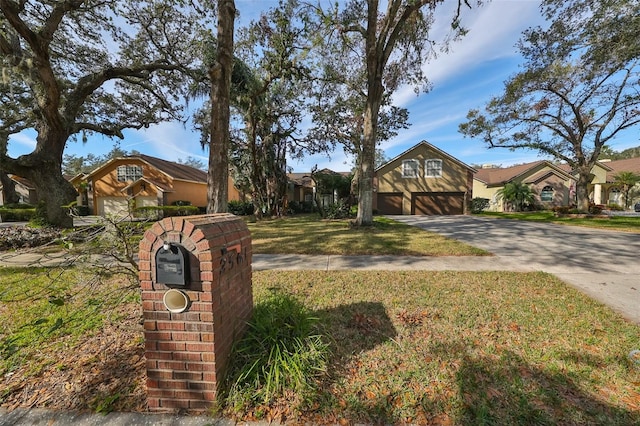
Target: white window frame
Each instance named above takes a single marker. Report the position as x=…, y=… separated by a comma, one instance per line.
x=129, y=172
x=431, y=172
x=415, y=170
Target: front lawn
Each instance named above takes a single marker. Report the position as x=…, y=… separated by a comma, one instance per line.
x=407, y=347
x=614, y=223
x=307, y=234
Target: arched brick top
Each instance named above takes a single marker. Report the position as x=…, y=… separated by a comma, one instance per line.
x=187, y=352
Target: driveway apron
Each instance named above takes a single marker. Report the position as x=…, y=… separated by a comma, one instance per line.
x=603, y=264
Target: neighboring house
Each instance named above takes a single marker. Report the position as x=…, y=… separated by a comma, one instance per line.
x=142, y=180
x=423, y=180
x=24, y=188
x=303, y=189
x=551, y=184
x=554, y=184
x=606, y=191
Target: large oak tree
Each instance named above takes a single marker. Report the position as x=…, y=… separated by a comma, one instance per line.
x=73, y=68
x=578, y=89
x=393, y=46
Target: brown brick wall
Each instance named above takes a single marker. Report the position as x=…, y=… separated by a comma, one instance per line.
x=187, y=352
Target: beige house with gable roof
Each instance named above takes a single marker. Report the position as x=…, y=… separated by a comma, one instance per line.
x=423, y=180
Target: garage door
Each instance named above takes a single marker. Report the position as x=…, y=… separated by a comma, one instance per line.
x=112, y=206
x=390, y=203
x=437, y=203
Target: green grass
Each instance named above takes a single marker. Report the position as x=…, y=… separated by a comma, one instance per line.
x=405, y=347
x=307, y=234
x=44, y=309
x=465, y=348
x=617, y=223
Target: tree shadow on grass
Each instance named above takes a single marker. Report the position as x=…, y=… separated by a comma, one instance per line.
x=355, y=328
x=508, y=390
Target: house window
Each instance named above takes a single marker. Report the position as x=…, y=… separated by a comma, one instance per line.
x=433, y=168
x=546, y=194
x=410, y=168
x=129, y=173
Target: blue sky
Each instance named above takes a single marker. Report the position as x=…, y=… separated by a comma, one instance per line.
x=465, y=78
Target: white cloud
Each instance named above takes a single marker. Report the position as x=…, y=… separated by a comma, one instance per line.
x=493, y=32
x=170, y=141
x=25, y=142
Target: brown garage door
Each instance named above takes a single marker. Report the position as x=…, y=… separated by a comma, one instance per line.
x=437, y=203
x=390, y=203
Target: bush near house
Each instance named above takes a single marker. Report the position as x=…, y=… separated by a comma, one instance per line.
x=159, y=212
x=240, y=208
x=479, y=204
x=17, y=212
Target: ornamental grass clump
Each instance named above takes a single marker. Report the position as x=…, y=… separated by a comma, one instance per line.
x=281, y=357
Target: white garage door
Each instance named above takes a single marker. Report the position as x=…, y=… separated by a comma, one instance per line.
x=116, y=206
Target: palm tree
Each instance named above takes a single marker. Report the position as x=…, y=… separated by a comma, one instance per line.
x=626, y=181
x=517, y=193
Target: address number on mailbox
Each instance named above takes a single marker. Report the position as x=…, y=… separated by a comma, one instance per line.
x=172, y=265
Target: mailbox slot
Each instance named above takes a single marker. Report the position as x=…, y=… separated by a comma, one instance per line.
x=172, y=265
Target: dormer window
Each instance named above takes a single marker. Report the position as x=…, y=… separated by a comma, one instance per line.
x=129, y=173
x=410, y=168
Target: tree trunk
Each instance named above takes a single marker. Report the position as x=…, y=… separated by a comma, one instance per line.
x=368, y=154
x=582, y=190
x=54, y=191
x=220, y=74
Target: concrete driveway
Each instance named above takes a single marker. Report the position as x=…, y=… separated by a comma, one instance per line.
x=602, y=264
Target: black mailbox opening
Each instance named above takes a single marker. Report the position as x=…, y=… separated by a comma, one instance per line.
x=172, y=265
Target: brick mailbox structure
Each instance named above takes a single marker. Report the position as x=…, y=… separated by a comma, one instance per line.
x=195, y=275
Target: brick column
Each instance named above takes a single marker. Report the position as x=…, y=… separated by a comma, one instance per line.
x=187, y=352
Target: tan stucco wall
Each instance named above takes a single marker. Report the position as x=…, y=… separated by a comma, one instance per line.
x=480, y=190
x=454, y=176
x=600, y=174
x=196, y=193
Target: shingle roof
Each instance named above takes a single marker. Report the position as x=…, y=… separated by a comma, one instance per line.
x=627, y=165
x=175, y=170
x=496, y=176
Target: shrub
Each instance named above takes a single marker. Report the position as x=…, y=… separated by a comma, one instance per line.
x=282, y=355
x=21, y=214
x=158, y=212
x=296, y=207
x=561, y=209
x=614, y=207
x=337, y=210
x=240, y=208
x=479, y=204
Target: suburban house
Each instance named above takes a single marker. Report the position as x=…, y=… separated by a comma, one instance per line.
x=423, y=180
x=604, y=189
x=24, y=189
x=142, y=180
x=303, y=189
x=553, y=184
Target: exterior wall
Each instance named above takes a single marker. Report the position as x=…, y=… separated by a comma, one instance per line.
x=105, y=182
x=560, y=191
x=454, y=176
x=481, y=190
x=196, y=193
